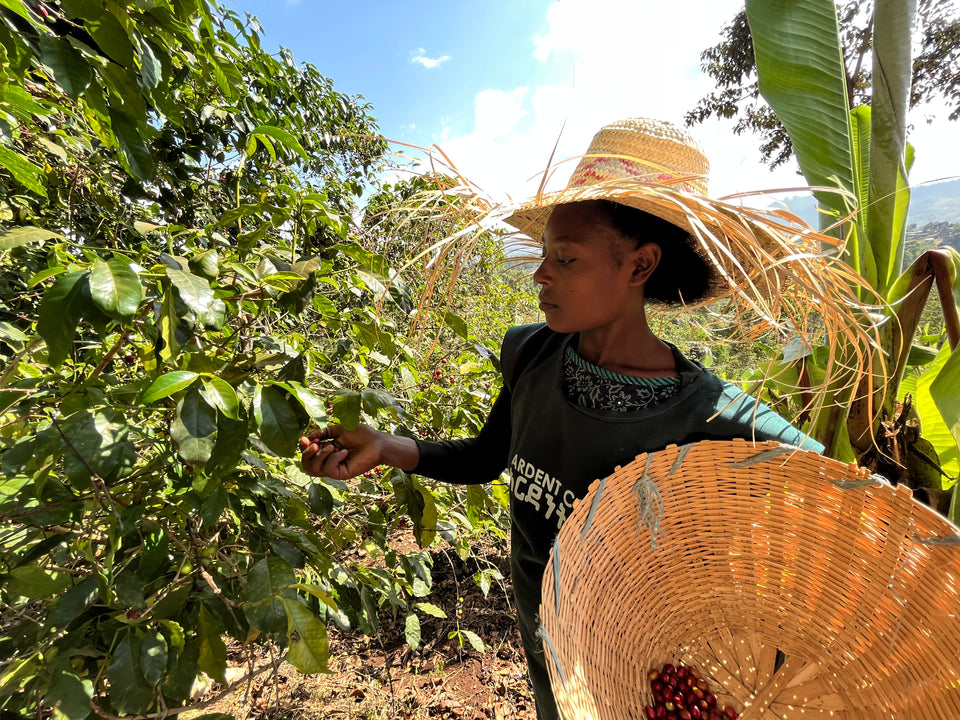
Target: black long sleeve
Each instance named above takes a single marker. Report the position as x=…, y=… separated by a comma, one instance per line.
x=472, y=460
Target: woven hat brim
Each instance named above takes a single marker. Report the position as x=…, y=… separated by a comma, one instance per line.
x=654, y=198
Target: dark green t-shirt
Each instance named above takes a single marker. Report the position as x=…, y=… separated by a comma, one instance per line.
x=555, y=449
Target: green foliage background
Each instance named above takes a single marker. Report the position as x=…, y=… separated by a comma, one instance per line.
x=183, y=293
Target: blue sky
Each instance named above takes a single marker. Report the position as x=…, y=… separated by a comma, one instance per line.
x=420, y=63
x=493, y=82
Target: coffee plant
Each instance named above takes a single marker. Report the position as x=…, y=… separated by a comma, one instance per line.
x=183, y=293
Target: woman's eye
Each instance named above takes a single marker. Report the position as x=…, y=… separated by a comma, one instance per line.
x=565, y=262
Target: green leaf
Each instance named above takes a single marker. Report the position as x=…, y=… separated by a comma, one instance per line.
x=153, y=657
x=151, y=71
x=430, y=609
x=177, y=637
x=154, y=555
x=135, y=156
x=25, y=235
x=374, y=400
x=474, y=640
x=197, y=295
x=307, y=637
x=206, y=264
x=346, y=407
x=69, y=696
x=213, y=506
x=129, y=589
x=320, y=499
x=34, y=583
x=266, y=583
x=310, y=402
x=213, y=651
x=70, y=69
x=920, y=355
x=182, y=674
x=130, y=693
x=419, y=504
x=943, y=392
x=145, y=228
x=221, y=395
x=932, y=424
x=412, y=631
x=251, y=146
x=858, y=247
x=231, y=443
x=115, y=288
x=284, y=137
x=17, y=6
x=317, y=592
x=169, y=322
x=171, y=606
x=268, y=577
x=83, y=9
x=62, y=306
x=112, y=38
x=801, y=75
x=23, y=102
x=11, y=334
x=923, y=464
x=167, y=384
x=278, y=425
x=45, y=274
x=889, y=194
x=73, y=602
x=97, y=443
x=476, y=502
x=483, y=578
x=457, y=324
x=194, y=429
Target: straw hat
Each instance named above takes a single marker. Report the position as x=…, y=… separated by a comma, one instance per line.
x=628, y=162
x=653, y=166
x=799, y=586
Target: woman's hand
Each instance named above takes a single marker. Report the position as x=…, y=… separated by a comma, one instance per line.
x=339, y=453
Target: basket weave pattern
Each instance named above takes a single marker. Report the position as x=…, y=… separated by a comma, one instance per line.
x=760, y=549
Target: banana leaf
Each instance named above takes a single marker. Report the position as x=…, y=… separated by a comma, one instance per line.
x=889, y=193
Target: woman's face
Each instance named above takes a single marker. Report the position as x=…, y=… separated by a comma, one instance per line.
x=590, y=277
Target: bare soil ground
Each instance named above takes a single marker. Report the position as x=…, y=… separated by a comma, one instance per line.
x=382, y=678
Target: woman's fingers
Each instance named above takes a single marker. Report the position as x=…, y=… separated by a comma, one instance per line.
x=339, y=453
x=323, y=460
x=330, y=432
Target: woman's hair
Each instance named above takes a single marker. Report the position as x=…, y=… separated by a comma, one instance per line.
x=682, y=274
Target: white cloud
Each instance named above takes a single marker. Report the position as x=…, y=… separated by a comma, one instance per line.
x=624, y=58
x=498, y=113
x=631, y=58
x=420, y=57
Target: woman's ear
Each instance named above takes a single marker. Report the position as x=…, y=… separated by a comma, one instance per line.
x=645, y=261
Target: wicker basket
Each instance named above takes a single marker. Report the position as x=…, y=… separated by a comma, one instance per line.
x=760, y=549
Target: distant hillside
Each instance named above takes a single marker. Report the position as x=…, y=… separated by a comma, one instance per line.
x=937, y=202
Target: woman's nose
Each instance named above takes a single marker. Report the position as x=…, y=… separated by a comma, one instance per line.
x=540, y=275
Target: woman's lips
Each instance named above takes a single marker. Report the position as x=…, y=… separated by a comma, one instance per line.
x=544, y=305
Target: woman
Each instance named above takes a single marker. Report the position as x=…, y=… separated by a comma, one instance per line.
x=592, y=387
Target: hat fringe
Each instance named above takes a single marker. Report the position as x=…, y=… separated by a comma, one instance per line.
x=776, y=275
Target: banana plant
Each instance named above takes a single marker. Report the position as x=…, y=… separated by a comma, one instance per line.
x=857, y=162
